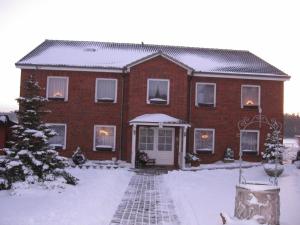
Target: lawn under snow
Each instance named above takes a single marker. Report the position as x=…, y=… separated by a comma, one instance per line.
x=200, y=196
x=92, y=202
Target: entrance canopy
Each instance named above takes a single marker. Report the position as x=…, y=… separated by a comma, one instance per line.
x=158, y=119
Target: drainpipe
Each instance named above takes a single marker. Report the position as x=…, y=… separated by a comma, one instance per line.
x=122, y=112
x=189, y=107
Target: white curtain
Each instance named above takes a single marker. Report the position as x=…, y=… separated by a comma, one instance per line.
x=57, y=87
x=250, y=95
x=105, y=136
x=204, y=140
x=106, y=89
x=158, y=89
x=205, y=93
x=58, y=139
x=249, y=141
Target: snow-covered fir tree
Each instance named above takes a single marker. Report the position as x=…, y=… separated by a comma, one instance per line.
x=30, y=156
x=272, y=145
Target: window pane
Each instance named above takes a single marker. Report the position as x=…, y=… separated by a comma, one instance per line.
x=58, y=139
x=158, y=90
x=164, y=140
x=146, y=138
x=57, y=87
x=106, y=89
x=204, y=140
x=205, y=93
x=250, y=96
x=249, y=141
x=104, y=137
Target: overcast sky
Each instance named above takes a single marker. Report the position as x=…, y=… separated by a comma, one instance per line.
x=269, y=29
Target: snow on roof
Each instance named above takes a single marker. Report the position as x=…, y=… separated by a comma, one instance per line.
x=155, y=118
x=105, y=55
x=3, y=119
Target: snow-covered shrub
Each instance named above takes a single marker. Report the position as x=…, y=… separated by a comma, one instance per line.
x=273, y=147
x=78, y=157
x=192, y=158
x=29, y=154
x=229, y=155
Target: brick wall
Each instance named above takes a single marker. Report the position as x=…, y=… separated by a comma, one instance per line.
x=81, y=113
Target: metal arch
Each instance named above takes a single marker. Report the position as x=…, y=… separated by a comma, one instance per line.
x=243, y=124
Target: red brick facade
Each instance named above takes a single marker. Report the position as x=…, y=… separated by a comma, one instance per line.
x=81, y=113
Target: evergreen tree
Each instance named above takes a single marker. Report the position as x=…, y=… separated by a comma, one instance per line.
x=272, y=145
x=30, y=154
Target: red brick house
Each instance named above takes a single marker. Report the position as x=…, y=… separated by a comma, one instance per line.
x=5, y=123
x=113, y=99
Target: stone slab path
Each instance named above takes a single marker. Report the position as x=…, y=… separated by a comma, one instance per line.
x=146, y=202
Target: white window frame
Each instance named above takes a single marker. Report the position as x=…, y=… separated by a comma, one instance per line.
x=116, y=89
x=250, y=85
x=94, y=140
x=168, y=91
x=257, y=144
x=213, y=144
x=205, y=83
x=61, y=124
x=58, y=77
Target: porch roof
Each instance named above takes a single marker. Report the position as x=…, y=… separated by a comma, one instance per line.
x=158, y=119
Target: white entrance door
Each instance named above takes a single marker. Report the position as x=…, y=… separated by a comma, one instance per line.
x=158, y=143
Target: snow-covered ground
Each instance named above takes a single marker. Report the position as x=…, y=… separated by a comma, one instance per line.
x=201, y=196
x=92, y=202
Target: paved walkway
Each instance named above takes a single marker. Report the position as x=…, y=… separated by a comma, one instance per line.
x=146, y=202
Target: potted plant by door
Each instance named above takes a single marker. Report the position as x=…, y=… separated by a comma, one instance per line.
x=192, y=159
x=272, y=156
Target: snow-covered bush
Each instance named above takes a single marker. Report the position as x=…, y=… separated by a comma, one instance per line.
x=273, y=147
x=78, y=157
x=229, y=155
x=29, y=153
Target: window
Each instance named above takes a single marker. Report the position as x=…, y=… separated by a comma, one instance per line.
x=104, y=138
x=249, y=140
x=58, y=141
x=57, y=88
x=146, y=139
x=250, y=96
x=158, y=91
x=204, y=139
x=106, y=90
x=206, y=94
x=165, y=140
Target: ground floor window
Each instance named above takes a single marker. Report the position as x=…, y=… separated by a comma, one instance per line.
x=146, y=138
x=59, y=140
x=204, y=139
x=249, y=140
x=104, y=138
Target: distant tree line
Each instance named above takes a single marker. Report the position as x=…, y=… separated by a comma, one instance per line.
x=291, y=125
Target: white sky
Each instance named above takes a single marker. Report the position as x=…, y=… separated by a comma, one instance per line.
x=267, y=28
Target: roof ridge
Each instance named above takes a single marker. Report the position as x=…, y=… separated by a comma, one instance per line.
x=149, y=45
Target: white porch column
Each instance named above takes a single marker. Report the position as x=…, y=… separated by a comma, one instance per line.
x=184, y=147
x=133, y=141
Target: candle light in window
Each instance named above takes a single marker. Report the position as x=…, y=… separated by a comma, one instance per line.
x=249, y=102
x=204, y=136
x=58, y=94
x=103, y=133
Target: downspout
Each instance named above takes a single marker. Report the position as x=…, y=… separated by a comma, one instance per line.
x=189, y=107
x=121, y=113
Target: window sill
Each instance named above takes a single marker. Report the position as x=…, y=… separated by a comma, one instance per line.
x=102, y=149
x=206, y=106
x=57, y=99
x=105, y=101
x=204, y=152
x=249, y=152
x=252, y=107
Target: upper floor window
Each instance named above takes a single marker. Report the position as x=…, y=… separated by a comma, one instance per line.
x=106, y=90
x=57, y=88
x=250, y=96
x=206, y=94
x=158, y=91
x=249, y=140
x=104, y=137
x=204, y=139
x=58, y=141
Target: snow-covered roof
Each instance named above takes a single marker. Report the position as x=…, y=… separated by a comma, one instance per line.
x=105, y=55
x=156, y=118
